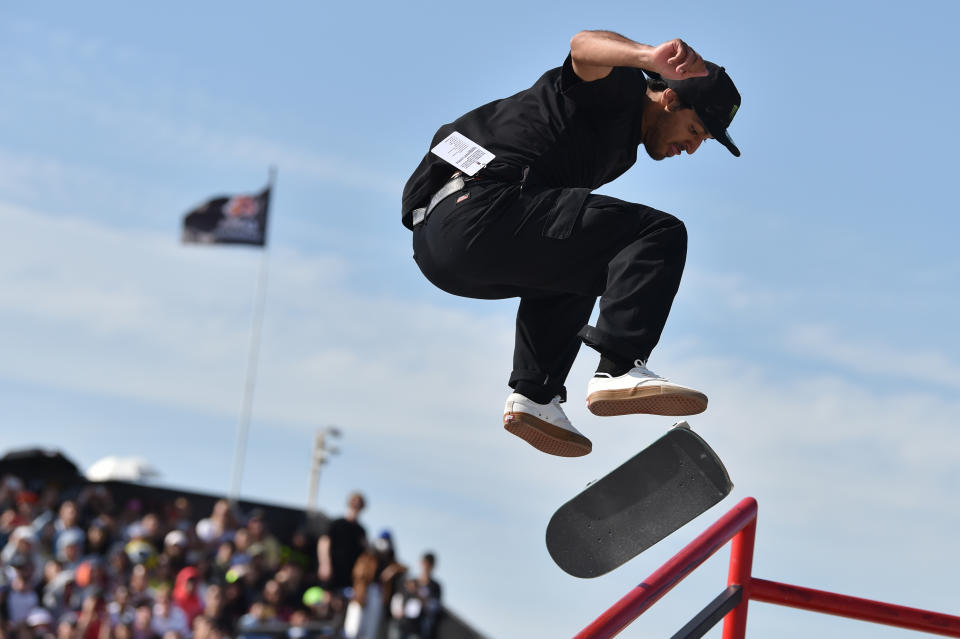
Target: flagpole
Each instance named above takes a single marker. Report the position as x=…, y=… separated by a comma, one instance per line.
x=243, y=428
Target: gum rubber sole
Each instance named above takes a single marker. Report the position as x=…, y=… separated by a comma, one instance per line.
x=653, y=400
x=546, y=437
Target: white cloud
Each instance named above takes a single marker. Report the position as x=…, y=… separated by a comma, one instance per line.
x=729, y=290
x=852, y=353
x=93, y=294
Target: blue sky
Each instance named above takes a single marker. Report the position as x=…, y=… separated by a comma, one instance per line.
x=818, y=308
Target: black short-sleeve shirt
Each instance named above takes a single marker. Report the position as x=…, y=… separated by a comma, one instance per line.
x=561, y=132
x=347, y=542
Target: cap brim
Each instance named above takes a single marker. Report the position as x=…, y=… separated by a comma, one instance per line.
x=718, y=131
x=725, y=140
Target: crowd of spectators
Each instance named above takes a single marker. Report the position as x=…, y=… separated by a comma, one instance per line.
x=75, y=564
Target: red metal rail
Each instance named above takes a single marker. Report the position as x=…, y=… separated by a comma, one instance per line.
x=740, y=525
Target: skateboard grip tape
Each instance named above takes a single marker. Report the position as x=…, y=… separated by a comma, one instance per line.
x=650, y=496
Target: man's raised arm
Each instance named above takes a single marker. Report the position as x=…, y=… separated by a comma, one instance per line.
x=595, y=53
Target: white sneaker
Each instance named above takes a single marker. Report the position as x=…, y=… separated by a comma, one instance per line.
x=640, y=390
x=544, y=426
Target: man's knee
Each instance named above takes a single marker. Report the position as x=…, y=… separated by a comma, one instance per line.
x=665, y=229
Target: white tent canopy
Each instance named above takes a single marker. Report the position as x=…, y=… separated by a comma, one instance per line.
x=122, y=469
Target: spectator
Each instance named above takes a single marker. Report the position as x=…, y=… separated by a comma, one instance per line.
x=28, y=505
x=90, y=578
x=218, y=526
x=405, y=610
x=255, y=617
x=390, y=572
x=175, y=550
x=118, y=564
x=167, y=616
x=298, y=623
x=241, y=547
x=18, y=599
x=139, y=584
x=222, y=562
x=186, y=593
x=429, y=591
x=67, y=626
x=214, y=605
x=98, y=538
x=340, y=547
x=59, y=592
x=67, y=519
x=40, y=623
x=375, y=575
x=150, y=531
x=93, y=616
x=142, y=627
x=179, y=515
x=70, y=547
x=23, y=542
x=202, y=625
x=10, y=487
x=51, y=568
x=273, y=599
x=8, y=523
x=317, y=600
x=291, y=581
x=300, y=551
x=363, y=612
x=261, y=538
x=120, y=609
x=238, y=594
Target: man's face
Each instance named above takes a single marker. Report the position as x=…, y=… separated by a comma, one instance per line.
x=676, y=131
x=68, y=514
x=71, y=552
x=355, y=503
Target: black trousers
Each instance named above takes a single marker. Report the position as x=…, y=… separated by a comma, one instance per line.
x=557, y=250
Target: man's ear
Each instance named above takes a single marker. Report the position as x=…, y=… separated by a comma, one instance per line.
x=669, y=99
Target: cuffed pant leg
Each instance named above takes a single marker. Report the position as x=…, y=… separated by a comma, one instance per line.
x=547, y=343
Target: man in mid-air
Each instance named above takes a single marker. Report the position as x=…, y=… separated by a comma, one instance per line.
x=502, y=207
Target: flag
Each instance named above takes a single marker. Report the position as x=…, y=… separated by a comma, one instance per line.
x=231, y=219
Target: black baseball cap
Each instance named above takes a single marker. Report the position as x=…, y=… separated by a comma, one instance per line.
x=715, y=99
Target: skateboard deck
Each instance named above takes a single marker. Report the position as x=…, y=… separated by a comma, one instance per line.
x=647, y=498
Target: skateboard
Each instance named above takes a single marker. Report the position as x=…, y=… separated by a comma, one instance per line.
x=647, y=498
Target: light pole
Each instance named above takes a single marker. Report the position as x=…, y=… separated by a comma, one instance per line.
x=321, y=454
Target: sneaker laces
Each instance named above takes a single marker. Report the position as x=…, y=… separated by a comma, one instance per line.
x=642, y=365
x=637, y=363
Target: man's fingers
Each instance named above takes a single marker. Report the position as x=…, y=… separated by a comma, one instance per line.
x=681, y=61
x=688, y=62
x=680, y=52
x=693, y=66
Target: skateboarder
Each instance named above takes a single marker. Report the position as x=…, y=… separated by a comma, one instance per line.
x=501, y=207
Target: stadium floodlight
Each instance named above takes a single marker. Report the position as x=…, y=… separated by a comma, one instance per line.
x=320, y=456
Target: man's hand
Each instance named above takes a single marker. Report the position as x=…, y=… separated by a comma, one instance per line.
x=595, y=53
x=676, y=60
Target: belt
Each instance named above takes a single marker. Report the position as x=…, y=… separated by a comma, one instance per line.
x=456, y=183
